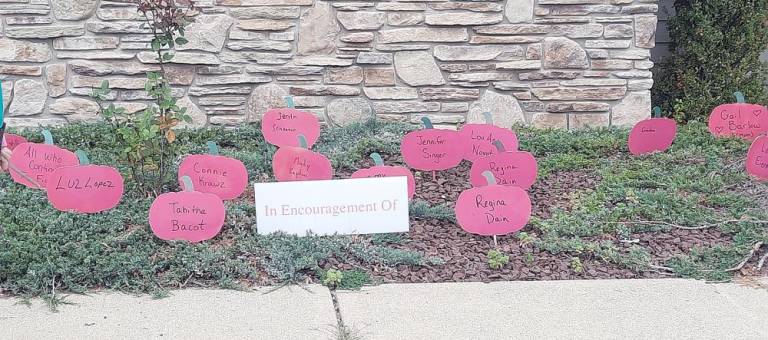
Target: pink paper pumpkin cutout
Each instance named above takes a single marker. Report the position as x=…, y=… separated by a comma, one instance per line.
x=757, y=158
x=381, y=170
x=739, y=119
x=493, y=209
x=652, y=135
x=477, y=139
x=86, y=189
x=516, y=168
x=300, y=164
x=431, y=149
x=12, y=141
x=38, y=161
x=222, y=176
x=282, y=127
x=188, y=215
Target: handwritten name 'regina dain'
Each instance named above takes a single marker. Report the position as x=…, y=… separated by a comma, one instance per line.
x=490, y=206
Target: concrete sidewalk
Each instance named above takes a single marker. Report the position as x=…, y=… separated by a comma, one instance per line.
x=604, y=309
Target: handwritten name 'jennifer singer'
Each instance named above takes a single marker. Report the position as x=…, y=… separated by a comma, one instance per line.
x=333, y=210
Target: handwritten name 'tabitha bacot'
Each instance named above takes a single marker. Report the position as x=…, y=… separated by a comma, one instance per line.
x=185, y=217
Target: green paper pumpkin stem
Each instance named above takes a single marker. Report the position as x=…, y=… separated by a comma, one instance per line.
x=656, y=112
x=488, y=118
x=289, y=102
x=303, y=141
x=489, y=177
x=83, y=157
x=499, y=146
x=2, y=105
x=213, y=149
x=427, y=123
x=739, y=97
x=377, y=159
x=188, y=186
x=47, y=137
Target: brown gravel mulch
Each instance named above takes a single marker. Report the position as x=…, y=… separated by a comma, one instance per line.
x=464, y=254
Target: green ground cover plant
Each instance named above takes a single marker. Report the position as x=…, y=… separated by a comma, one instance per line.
x=698, y=184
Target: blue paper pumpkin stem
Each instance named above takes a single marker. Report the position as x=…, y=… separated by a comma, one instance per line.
x=656, y=112
x=188, y=186
x=489, y=177
x=740, y=97
x=83, y=157
x=488, y=118
x=499, y=146
x=213, y=149
x=427, y=123
x=289, y=102
x=303, y=141
x=377, y=159
x=48, y=138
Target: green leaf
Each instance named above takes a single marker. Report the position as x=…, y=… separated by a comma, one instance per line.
x=167, y=56
x=181, y=41
x=156, y=45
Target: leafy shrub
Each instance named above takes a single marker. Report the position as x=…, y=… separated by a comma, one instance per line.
x=146, y=140
x=716, y=47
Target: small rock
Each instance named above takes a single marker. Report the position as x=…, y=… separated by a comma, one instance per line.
x=29, y=98
x=346, y=111
x=73, y=9
x=263, y=98
x=418, y=68
x=70, y=106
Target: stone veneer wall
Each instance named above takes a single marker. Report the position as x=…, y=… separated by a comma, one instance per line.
x=549, y=63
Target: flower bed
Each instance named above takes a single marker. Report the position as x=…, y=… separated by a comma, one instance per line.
x=598, y=213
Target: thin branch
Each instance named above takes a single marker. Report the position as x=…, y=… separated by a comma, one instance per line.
x=667, y=269
x=678, y=226
x=743, y=262
x=761, y=263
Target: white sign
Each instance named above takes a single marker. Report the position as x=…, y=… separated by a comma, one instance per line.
x=349, y=206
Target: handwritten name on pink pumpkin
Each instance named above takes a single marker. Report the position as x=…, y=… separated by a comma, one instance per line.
x=493, y=210
x=282, y=127
x=39, y=161
x=188, y=215
x=757, y=158
x=652, y=135
x=477, y=140
x=746, y=121
x=85, y=189
x=432, y=149
x=516, y=168
x=299, y=164
x=219, y=175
